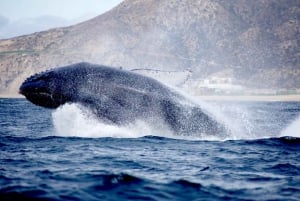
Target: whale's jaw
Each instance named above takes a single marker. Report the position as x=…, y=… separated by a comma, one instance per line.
x=40, y=92
x=38, y=96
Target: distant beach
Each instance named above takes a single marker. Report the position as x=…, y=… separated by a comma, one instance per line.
x=11, y=96
x=270, y=98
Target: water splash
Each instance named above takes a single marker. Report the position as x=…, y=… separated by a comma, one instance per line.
x=292, y=129
x=74, y=120
x=235, y=119
x=244, y=121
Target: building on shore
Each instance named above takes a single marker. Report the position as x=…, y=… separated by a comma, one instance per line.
x=213, y=85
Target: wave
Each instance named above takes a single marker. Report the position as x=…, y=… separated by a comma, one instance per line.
x=123, y=186
x=292, y=129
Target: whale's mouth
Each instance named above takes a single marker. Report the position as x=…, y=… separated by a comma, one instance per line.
x=43, y=99
x=39, y=94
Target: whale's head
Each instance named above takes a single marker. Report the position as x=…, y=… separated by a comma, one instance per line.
x=48, y=89
x=81, y=82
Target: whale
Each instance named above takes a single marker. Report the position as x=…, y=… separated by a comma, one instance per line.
x=120, y=97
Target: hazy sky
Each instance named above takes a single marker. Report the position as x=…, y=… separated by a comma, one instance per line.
x=19, y=17
x=68, y=9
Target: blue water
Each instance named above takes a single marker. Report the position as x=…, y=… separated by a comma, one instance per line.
x=39, y=160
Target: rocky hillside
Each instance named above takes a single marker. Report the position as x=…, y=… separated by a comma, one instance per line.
x=256, y=41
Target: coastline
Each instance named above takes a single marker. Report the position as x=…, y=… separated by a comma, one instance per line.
x=11, y=96
x=263, y=98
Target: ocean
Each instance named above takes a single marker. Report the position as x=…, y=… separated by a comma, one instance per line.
x=65, y=154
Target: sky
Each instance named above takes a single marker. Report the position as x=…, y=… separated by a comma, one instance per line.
x=19, y=17
x=68, y=9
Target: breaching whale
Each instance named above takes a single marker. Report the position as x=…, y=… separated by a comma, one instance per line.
x=119, y=97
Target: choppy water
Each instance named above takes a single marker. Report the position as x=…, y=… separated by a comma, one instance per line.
x=65, y=155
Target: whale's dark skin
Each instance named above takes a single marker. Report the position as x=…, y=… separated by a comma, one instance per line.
x=118, y=97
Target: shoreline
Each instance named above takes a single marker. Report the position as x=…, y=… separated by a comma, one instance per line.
x=11, y=96
x=263, y=98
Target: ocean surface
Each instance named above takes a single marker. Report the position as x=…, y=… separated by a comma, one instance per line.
x=65, y=154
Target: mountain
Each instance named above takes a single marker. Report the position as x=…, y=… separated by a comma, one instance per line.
x=256, y=41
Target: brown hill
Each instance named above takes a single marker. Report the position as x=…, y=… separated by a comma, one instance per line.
x=257, y=41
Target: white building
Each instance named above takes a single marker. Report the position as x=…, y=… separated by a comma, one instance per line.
x=212, y=85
